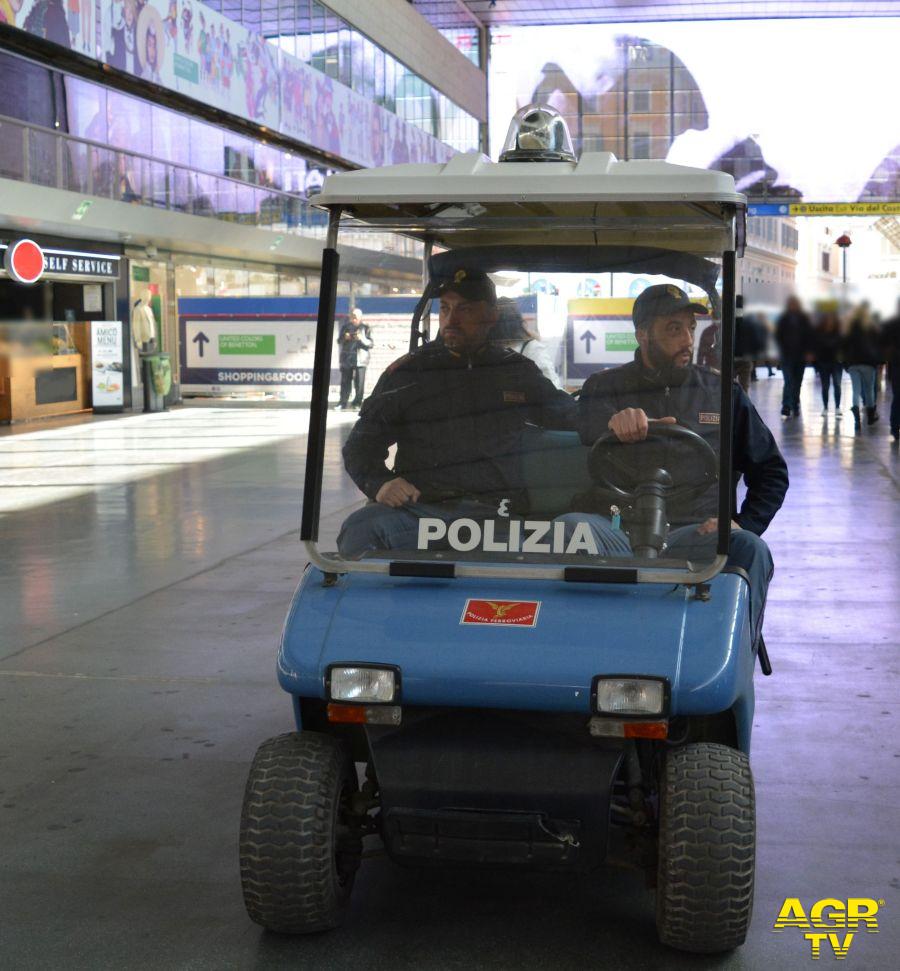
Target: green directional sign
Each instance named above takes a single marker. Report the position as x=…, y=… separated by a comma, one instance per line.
x=186, y=68
x=621, y=341
x=247, y=344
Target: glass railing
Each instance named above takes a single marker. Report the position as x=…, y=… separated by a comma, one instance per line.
x=41, y=156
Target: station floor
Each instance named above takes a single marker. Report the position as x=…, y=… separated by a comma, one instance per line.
x=147, y=563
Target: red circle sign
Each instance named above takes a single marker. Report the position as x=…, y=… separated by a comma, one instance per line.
x=24, y=261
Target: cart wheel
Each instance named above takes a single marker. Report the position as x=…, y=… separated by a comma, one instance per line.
x=297, y=860
x=707, y=848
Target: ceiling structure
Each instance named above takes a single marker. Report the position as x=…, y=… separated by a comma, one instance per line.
x=507, y=13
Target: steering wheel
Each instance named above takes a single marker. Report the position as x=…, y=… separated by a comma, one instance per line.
x=620, y=469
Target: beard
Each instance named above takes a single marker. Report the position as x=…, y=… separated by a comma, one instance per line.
x=665, y=368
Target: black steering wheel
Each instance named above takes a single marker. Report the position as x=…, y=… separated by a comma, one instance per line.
x=622, y=471
x=647, y=490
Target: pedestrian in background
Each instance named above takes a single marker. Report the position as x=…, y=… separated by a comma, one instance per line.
x=890, y=351
x=828, y=348
x=862, y=355
x=510, y=331
x=354, y=343
x=749, y=343
x=793, y=335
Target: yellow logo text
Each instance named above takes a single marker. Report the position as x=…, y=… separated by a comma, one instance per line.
x=827, y=916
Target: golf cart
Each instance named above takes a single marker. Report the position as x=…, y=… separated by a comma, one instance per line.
x=504, y=690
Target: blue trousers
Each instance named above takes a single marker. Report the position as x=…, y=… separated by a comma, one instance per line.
x=793, y=379
x=377, y=527
x=745, y=550
x=862, y=380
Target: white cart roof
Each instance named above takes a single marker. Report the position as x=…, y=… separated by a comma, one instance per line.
x=472, y=177
x=470, y=196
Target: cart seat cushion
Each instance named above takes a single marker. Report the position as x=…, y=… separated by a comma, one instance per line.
x=554, y=468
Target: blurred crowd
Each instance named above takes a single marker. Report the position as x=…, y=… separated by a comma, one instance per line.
x=857, y=342
x=829, y=340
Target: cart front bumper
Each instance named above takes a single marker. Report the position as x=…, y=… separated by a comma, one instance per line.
x=489, y=788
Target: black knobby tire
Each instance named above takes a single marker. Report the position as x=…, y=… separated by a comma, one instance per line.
x=296, y=872
x=707, y=848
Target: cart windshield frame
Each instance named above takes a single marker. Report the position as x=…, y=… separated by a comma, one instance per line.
x=699, y=246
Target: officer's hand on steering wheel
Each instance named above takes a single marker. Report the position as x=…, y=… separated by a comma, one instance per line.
x=397, y=492
x=632, y=424
x=625, y=471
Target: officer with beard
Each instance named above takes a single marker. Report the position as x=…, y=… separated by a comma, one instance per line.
x=662, y=385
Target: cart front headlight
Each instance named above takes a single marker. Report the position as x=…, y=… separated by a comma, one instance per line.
x=363, y=684
x=630, y=696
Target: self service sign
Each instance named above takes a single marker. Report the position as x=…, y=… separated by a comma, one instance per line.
x=27, y=262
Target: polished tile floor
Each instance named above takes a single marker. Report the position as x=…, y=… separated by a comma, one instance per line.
x=147, y=565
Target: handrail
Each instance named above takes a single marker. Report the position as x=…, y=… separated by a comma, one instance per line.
x=67, y=136
x=289, y=212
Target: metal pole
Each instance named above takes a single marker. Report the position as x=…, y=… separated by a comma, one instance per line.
x=318, y=418
x=426, y=314
x=726, y=490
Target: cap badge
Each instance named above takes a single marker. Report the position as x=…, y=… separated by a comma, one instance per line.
x=673, y=291
x=459, y=276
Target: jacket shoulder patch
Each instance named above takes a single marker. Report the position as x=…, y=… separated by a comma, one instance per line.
x=400, y=362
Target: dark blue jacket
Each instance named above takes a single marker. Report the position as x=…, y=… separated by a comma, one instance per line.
x=457, y=422
x=695, y=402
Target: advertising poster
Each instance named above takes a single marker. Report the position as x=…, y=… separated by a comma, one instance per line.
x=186, y=46
x=221, y=63
x=69, y=23
x=107, y=365
x=139, y=38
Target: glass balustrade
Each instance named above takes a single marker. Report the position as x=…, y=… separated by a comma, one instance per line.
x=43, y=157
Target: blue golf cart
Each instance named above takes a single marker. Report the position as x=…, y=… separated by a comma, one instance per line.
x=505, y=691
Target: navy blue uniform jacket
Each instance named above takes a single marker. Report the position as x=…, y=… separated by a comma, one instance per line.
x=457, y=421
x=695, y=402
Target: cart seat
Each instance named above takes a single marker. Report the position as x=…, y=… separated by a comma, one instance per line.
x=554, y=467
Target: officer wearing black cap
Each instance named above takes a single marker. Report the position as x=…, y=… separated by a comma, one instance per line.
x=663, y=385
x=456, y=410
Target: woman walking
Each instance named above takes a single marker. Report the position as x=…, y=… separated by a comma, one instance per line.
x=862, y=357
x=510, y=331
x=828, y=349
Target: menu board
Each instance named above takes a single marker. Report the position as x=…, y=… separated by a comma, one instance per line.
x=107, y=365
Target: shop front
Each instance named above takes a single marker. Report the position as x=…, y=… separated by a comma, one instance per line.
x=62, y=336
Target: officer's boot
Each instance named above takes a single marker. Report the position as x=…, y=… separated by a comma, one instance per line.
x=856, y=421
x=871, y=416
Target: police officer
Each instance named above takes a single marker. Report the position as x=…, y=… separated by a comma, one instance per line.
x=662, y=385
x=456, y=409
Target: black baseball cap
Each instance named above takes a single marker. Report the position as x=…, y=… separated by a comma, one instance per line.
x=663, y=298
x=469, y=284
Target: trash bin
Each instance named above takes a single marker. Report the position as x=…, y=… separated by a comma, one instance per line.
x=156, y=374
